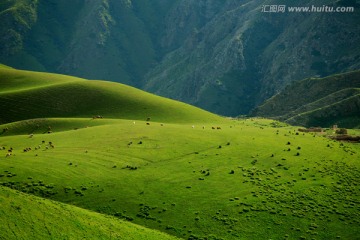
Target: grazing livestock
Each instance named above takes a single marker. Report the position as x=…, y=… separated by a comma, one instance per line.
x=147, y=123
x=27, y=149
x=130, y=167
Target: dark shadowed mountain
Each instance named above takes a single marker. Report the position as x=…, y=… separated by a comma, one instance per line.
x=225, y=56
x=99, y=39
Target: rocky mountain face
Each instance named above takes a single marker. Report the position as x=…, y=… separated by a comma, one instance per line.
x=225, y=56
x=240, y=56
x=116, y=40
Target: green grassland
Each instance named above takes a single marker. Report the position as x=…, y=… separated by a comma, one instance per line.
x=188, y=173
x=28, y=217
x=27, y=95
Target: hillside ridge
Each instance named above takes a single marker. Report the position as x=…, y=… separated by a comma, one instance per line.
x=317, y=101
x=27, y=95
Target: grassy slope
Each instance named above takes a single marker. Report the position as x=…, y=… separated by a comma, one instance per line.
x=344, y=113
x=4, y=66
x=247, y=180
x=28, y=217
x=310, y=101
x=41, y=125
x=311, y=195
x=26, y=95
x=331, y=99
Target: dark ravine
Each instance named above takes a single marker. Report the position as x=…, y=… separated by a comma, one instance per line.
x=224, y=56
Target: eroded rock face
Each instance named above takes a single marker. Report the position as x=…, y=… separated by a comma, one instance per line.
x=242, y=56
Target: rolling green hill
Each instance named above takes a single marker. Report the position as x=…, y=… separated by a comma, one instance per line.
x=188, y=173
x=317, y=102
x=28, y=217
x=27, y=95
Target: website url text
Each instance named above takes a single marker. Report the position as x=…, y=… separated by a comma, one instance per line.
x=309, y=9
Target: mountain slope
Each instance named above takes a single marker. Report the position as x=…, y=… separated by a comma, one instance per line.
x=240, y=56
x=224, y=56
x=28, y=217
x=26, y=95
x=17, y=18
x=100, y=39
x=317, y=102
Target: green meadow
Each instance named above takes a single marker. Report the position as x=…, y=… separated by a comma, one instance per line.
x=184, y=172
x=29, y=217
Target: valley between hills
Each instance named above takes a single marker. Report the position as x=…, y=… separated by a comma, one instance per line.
x=100, y=160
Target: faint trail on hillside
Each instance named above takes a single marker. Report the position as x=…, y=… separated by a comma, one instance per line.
x=191, y=153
